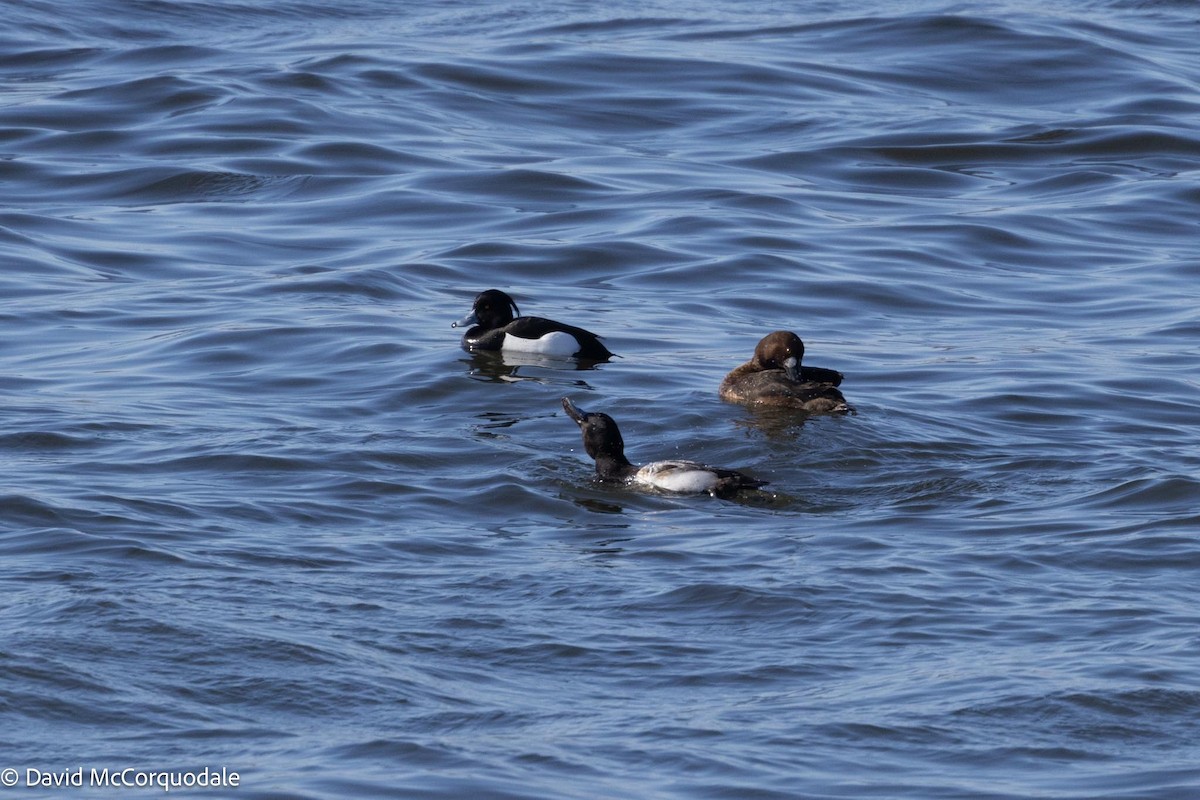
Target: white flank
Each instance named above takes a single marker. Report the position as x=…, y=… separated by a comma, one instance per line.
x=675, y=477
x=559, y=344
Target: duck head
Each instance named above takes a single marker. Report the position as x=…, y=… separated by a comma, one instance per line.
x=601, y=436
x=780, y=350
x=491, y=309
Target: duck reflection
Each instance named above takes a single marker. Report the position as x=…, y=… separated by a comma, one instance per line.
x=773, y=422
x=494, y=366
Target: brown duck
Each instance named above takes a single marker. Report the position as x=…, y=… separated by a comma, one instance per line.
x=774, y=377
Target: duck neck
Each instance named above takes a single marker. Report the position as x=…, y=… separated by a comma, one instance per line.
x=614, y=467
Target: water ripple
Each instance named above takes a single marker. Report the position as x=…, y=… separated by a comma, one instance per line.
x=249, y=463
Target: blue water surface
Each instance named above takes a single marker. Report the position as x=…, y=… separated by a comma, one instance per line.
x=261, y=513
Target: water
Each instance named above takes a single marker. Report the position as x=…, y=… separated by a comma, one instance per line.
x=261, y=513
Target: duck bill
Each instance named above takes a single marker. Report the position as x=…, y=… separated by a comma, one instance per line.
x=468, y=320
x=792, y=368
x=573, y=411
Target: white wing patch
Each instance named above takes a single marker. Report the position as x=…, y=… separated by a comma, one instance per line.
x=557, y=343
x=677, y=476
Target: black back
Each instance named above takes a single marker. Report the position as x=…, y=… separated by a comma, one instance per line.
x=496, y=315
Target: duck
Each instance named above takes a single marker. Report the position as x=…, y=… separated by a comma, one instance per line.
x=602, y=441
x=496, y=324
x=775, y=377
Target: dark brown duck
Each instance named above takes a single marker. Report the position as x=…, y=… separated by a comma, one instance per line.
x=775, y=377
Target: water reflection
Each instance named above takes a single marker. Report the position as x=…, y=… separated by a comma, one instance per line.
x=773, y=422
x=497, y=367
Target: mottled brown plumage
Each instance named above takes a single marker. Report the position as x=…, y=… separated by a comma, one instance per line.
x=774, y=377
